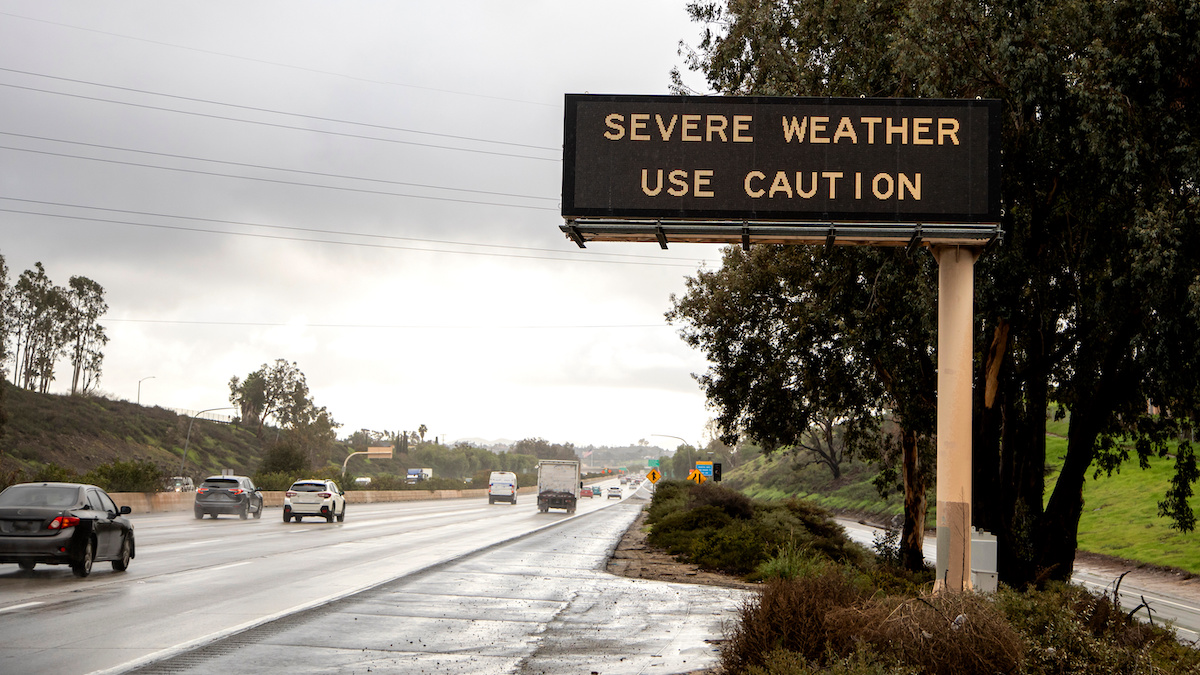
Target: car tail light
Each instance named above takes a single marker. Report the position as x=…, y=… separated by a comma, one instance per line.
x=289, y=494
x=236, y=491
x=63, y=522
x=326, y=495
x=201, y=490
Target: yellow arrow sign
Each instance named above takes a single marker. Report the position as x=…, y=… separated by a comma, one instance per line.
x=653, y=476
x=696, y=476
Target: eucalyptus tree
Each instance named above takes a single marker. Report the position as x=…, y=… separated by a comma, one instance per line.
x=84, y=307
x=279, y=392
x=1092, y=303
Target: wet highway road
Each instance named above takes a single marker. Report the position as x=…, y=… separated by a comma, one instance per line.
x=194, y=581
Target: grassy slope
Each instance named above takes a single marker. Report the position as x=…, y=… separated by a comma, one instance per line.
x=80, y=433
x=1120, y=513
x=1120, y=516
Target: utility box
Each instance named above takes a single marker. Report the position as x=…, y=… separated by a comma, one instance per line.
x=984, y=577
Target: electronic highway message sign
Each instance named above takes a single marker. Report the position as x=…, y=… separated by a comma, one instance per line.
x=784, y=160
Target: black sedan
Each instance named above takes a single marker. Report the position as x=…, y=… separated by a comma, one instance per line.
x=228, y=494
x=63, y=524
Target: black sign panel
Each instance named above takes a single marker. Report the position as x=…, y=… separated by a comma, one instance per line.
x=781, y=159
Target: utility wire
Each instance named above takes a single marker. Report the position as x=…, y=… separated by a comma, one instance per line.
x=280, y=112
x=339, y=243
x=280, y=126
x=283, y=65
x=273, y=168
x=276, y=180
x=264, y=324
x=333, y=232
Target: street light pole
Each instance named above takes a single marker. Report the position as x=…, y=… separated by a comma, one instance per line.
x=189, y=434
x=139, y=397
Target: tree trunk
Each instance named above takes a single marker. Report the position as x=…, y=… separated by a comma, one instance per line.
x=912, y=536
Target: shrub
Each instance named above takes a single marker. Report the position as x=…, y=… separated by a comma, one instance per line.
x=790, y=562
x=736, y=548
x=733, y=503
x=787, y=615
x=132, y=476
x=283, y=457
x=274, y=482
x=49, y=473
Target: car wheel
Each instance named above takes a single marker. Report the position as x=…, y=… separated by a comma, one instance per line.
x=27, y=566
x=329, y=515
x=213, y=516
x=297, y=517
x=121, y=564
x=287, y=517
x=342, y=515
x=83, y=566
x=245, y=512
x=199, y=514
x=258, y=513
x=491, y=501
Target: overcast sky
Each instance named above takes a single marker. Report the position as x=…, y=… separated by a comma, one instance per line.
x=369, y=189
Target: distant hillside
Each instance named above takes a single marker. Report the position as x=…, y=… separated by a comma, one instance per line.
x=82, y=432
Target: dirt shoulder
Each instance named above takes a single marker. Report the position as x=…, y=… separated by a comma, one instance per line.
x=636, y=559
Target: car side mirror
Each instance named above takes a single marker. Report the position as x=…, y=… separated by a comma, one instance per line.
x=126, y=510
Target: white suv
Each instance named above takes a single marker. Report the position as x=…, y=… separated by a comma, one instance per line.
x=314, y=498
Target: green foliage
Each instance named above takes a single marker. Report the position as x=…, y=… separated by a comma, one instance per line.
x=717, y=528
x=284, y=457
x=277, y=481
x=49, y=473
x=131, y=476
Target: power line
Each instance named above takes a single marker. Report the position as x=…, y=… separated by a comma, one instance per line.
x=279, y=112
x=273, y=168
x=280, y=126
x=337, y=243
x=333, y=232
x=284, y=65
x=264, y=324
x=275, y=180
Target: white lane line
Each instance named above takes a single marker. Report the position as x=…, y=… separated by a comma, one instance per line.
x=225, y=567
x=21, y=606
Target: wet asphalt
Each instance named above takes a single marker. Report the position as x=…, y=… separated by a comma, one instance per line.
x=541, y=603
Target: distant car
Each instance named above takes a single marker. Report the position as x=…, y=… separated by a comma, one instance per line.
x=181, y=484
x=586, y=492
x=63, y=524
x=314, y=498
x=228, y=494
x=614, y=491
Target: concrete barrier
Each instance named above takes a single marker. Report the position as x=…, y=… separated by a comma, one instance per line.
x=165, y=502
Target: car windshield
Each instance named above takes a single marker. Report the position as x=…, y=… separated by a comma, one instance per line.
x=220, y=483
x=40, y=495
x=308, y=487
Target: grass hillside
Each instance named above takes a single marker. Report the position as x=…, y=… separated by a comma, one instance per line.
x=83, y=432
x=1120, y=515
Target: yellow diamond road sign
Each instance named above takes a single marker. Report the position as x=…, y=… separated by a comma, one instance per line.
x=654, y=475
x=696, y=476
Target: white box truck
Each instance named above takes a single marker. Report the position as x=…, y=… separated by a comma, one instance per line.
x=502, y=487
x=558, y=484
x=418, y=476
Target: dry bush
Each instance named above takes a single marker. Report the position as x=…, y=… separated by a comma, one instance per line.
x=944, y=634
x=787, y=615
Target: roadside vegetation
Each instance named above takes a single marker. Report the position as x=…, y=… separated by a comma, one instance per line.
x=828, y=605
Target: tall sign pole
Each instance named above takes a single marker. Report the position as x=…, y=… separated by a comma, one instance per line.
x=956, y=295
